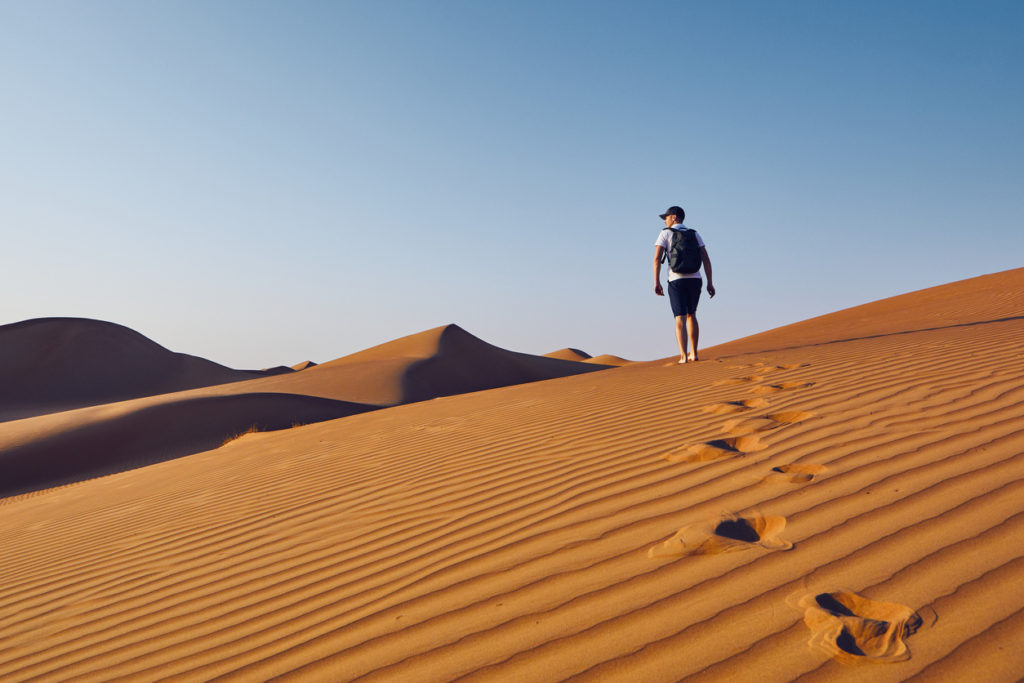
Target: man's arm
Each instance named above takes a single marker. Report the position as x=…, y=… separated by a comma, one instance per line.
x=658, y=251
x=706, y=260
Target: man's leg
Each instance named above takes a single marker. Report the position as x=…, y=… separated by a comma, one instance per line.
x=692, y=334
x=681, y=338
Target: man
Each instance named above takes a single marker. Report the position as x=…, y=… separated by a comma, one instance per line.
x=683, y=288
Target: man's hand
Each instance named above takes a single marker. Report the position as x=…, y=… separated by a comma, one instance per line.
x=711, y=290
x=658, y=290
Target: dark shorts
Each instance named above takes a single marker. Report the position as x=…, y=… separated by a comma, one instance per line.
x=684, y=294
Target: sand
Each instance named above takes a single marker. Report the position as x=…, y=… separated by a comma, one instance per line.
x=569, y=354
x=60, y=447
x=841, y=499
x=53, y=364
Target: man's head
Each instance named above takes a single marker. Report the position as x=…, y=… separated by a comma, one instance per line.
x=673, y=215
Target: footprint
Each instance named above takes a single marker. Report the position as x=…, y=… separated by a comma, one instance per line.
x=716, y=450
x=853, y=628
x=724, y=535
x=756, y=424
x=763, y=424
x=725, y=408
x=756, y=402
x=765, y=368
x=732, y=381
x=794, y=474
x=789, y=417
x=730, y=407
x=784, y=386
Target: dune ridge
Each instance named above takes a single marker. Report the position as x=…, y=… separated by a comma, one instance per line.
x=53, y=364
x=506, y=534
x=995, y=297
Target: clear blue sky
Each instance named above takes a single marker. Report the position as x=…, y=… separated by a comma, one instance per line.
x=267, y=182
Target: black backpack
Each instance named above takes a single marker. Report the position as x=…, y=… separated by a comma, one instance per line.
x=683, y=252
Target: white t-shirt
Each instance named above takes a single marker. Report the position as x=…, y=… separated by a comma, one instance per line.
x=665, y=241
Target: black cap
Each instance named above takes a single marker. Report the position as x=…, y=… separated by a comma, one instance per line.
x=674, y=211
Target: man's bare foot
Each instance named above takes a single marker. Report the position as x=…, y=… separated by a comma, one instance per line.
x=682, y=360
x=692, y=358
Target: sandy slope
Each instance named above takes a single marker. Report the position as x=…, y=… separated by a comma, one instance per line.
x=52, y=364
x=832, y=510
x=978, y=300
x=58, y=448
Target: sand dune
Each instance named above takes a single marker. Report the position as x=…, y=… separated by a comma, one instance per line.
x=584, y=357
x=860, y=519
x=442, y=361
x=52, y=364
x=569, y=354
x=608, y=359
x=66, y=446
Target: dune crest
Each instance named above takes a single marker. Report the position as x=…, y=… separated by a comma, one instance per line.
x=51, y=364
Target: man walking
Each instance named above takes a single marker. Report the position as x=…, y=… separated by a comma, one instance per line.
x=685, y=250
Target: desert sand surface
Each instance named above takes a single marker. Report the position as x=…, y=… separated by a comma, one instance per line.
x=840, y=499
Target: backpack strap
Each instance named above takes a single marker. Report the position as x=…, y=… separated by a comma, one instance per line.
x=664, y=252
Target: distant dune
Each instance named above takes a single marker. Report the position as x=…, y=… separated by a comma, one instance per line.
x=460, y=363
x=442, y=361
x=61, y=447
x=837, y=500
x=569, y=354
x=52, y=364
x=583, y=357
x=608, y=359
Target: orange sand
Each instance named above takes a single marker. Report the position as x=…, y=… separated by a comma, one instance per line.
x=841, y=499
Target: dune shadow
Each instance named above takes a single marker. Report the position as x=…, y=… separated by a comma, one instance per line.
x=156, y=433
